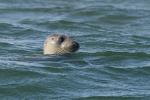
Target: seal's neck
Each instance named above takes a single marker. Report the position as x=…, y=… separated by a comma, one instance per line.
x=49, y=49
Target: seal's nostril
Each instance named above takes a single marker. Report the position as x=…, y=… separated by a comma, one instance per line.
x=76, y=45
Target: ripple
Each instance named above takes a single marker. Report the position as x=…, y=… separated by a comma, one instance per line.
x=118, y=19
x=19, y=73
x=117, y=54
x=3, y=44
x=111, y=97
x=38, y=10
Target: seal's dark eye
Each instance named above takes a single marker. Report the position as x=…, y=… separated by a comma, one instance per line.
x=62, y=39
x=52, y=38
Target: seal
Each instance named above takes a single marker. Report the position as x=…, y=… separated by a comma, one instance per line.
x=59, y=44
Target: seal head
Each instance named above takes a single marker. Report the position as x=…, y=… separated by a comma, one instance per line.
x=59, y=44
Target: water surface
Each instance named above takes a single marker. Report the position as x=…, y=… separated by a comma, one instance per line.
x=113, y=62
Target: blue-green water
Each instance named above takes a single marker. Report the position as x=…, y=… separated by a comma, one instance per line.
x=113, y=62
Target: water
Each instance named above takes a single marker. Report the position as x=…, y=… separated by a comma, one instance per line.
x=113, y=62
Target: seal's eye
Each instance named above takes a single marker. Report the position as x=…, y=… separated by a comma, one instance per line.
x=53, y=38
x=62, y=39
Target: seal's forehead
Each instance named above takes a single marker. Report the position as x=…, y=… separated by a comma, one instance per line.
x=57, y=35
x=52, y=35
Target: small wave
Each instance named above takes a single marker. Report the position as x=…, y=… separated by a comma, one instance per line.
x=19, y=73
x=8, y=26
x=34, y=9
x=111, y=98
x=142, y=70
x=118, y=19
x=58, y=22
x=113, y=54
x=4, y=44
